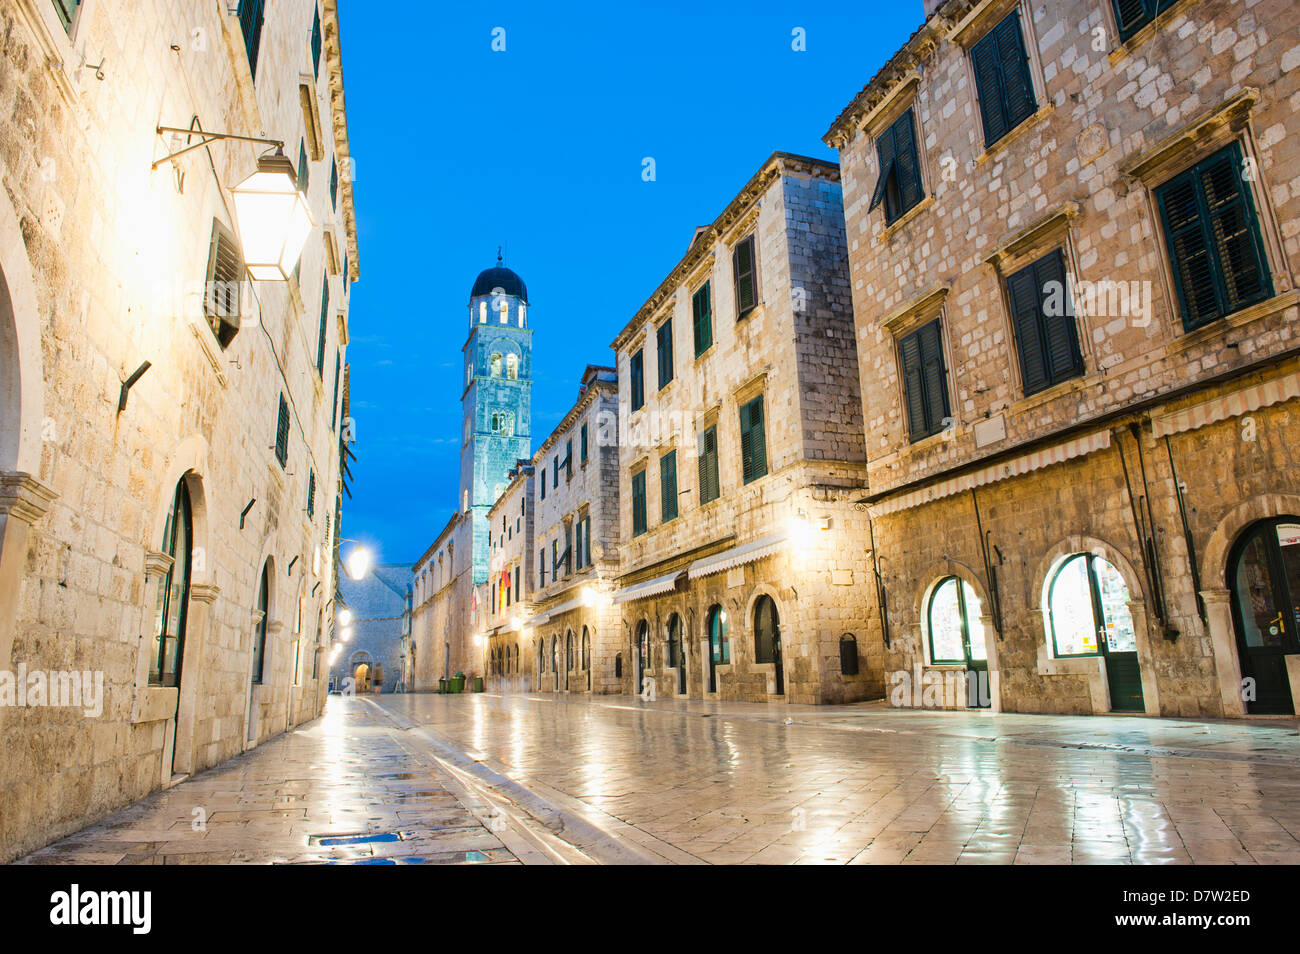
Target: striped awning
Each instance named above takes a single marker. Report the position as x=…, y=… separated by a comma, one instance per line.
x=739, y=555
x=1024, y=464
x=660, y=584
x=1229, y=405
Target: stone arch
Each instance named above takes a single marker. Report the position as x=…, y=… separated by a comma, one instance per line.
x=939, y=572
x=1042, y=577
x=22, y=377
x=1214, y=564
x=188, y=462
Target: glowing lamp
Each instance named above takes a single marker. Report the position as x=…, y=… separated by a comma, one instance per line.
x=274, y=220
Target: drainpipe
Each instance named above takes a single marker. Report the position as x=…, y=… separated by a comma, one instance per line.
x=990, y=570
x=1144, y=527
x=880, y=584
x=1187, y=535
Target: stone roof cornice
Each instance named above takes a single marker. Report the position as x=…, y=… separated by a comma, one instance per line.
x=339, y=115
x=585, y=400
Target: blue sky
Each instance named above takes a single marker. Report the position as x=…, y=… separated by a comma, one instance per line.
x=539, y=148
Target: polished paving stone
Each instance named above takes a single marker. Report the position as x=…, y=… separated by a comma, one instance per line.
x=867, y=784
x=343, y=790
x=540, y=778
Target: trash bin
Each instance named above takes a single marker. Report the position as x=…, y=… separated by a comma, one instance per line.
x=442, y=684
x=478, y=683
x=456, y=684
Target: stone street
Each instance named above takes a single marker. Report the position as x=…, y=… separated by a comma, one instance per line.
x=546, y=779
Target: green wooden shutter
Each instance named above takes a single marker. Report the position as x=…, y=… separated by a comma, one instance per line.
x=742, y=265
x=708, y=465
x=334, y=183
x=907, y=168
x=1023, y=292
x=1131, y=16
x=583, y=435
x=638, y=504
x=316, y=44
x=934, y=376
x=1189, y=247
x=1060, y=332
x=338, y=367
x=1017, y=86
x=324, y=313
x=668, y=486
x=67, y=10
x=303, y=168
x=885, y=153
x=753, y=443
x=1234, y=231
x=702, y=318
x=636, y=369
x=664, y=352
x=984, y=58
x=282, y=433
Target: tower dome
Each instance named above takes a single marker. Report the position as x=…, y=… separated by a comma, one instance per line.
x=499, y=277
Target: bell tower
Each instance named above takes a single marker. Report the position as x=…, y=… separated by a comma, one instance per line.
x=497, y=421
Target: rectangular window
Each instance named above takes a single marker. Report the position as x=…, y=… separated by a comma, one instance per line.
x=744, y=269
x=311, y=494
x=555, y=472
x=543, y=482
x=1133, y=15
x=899, y=186
x=567, y=556
x=67, y=11
x=709, y=488
x=315, y=44
x=664, y=351
x=753, y=440
x=702, y=319
x=568, y=460
x=541, y=567
x=925, y=381
x=304, y=170
x=555, y=559
x=251, y=15
x=1214, y=241
x=583, y=441
x=1005, y=90
x=282, y=433
x=1043, y=317
x=638, y=504
x=324, y=311
x=586, y=540
x=577, y=546
x=668, y=486
x=223, y=292
x=334, y=184
x=516, y=580
x=636, y=369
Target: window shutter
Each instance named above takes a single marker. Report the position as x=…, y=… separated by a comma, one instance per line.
x=742, y=264
x=282, y=433
x=709, y=489
x=250, y=24
x=636, y=371
x=638, y=504
x=668, y=486
x=584, y=441
x=222, y=298
x=303, y=169
x=907, y=169
x=311, y=494
x=885, y=152
x=1060, y=333
x=984, y=58
x=1023, y=291
x=664, y=352
x=913, y=388
x=1017, y=87
x=316, y=44
x=334, y=183
x=1190, y=248
x=753, y=446
x=934, y=378
x=324, y=311
x=338, y=367
x=1131, y=16
x=1234, y=231
x=701, y=314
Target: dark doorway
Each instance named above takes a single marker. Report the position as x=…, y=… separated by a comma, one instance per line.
x=1264, y=577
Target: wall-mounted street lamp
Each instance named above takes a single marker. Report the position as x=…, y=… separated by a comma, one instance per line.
x=273, y=217
x=359, y=561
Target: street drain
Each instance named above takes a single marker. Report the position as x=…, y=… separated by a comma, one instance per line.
x=361, y=838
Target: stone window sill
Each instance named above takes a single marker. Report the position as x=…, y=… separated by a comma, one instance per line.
x=889, y=231
x=1237, y=319
x=1019, y=132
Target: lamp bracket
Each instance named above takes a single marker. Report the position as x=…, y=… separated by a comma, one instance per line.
x=208, y=137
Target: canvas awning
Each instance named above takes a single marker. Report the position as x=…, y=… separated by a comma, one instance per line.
x=1228, y=405
x=1024, y=464
x=660, y=584
x=739, y=555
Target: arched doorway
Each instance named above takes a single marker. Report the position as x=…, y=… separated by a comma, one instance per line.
x=586, y=655
x=1264, y=580
x=677, y=651
x=719, y=644
x=555, y=662
x=259, y=637
x=957, y=636
x=568, y=657
x=361, y=679
x=173, y=592
x=541, y=662
x=767, y=639
x=1088, y=615
x=642, y=650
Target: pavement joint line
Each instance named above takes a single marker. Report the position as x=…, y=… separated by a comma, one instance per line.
x=1136, y=751
x=572, y=821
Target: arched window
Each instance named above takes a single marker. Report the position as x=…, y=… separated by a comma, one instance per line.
x=766, y=623
x=173, y=593
x=719, y=640
x=512, y=366
x=956, y=633
x=505, y=311
x=848, y=655
x=586, y=649
x=259, y=638
x=496, y=366
x=568, y=651
x=522, y=310
x=1086, y=600
x=674, y=640
x=618, y=665
x=541, y=656
x=555, y=654
x=482, y=313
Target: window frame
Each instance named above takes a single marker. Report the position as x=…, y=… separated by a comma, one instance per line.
x=664, y=352
x=895, y=204
x=636, y=376
x=751, y=467
x=667, y=494
x=750, y=241
x=915, y=436
x=638, y=501
x=1043, y=330
x=993, y=37
x=702, y=317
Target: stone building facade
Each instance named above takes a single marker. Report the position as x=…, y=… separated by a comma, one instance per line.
x=1072, y=235
x=741, y=458
x=571, y=637
x=445, y=607
x=510, y=572
x=372, y=653
x=166, y=527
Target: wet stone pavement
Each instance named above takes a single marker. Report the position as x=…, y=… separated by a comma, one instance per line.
x=541, y=778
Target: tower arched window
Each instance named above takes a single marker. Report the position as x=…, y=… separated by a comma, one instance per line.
x=522, y=308
x=505, y=311
x=512, y=366
x=482, y=313
x=496, y=366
